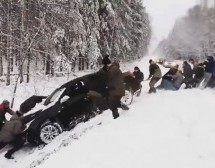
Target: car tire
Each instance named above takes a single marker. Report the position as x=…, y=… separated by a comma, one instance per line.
x=49, y=131
x=128, y=98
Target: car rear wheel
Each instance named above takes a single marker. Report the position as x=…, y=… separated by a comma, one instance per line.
x=49, y=131
x=128, y=98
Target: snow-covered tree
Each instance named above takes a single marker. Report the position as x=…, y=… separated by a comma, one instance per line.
x=192, y=36
x=36, y=33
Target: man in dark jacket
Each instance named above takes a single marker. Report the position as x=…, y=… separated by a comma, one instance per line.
x=101, y=98
x=154, y=75
x=187, y=71
x=104, y=70
x=116, y=88
x=209, y=66
x=193, y=64
x=188, y=74
x=177, y=79
x=106, y=62
x=138, y=75
x=12, y=133
x=30, y=103
x=5, y=108
x=198, y=75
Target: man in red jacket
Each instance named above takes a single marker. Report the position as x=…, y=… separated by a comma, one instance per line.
x=4, y=108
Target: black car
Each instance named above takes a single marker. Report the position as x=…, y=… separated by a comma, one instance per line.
x=67, y=106
x=74, y=102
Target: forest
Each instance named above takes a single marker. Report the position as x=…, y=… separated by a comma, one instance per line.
x=193, y=36
x=51, y=36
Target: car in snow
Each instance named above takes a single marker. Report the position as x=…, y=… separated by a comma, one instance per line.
x=169, y=64
x=160, y=61
x=74, y=102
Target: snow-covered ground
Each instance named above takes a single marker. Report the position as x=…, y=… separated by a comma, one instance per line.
x=167, y=129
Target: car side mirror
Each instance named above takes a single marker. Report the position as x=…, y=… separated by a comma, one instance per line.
x=64, y=99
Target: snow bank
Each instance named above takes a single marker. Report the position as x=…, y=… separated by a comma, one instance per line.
x=169, y=129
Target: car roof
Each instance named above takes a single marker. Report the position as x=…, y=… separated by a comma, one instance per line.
x=79, y=79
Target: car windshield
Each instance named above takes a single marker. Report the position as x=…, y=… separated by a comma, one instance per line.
x=54, y=96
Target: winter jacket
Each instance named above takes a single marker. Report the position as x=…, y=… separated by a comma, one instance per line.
x=115, y=81
x=177, y=79
x=11, y=129
x=172, y=71
x=104, y=83
x=187, y=71
x=199, y=73
x=191, y=65
x=30, y=103
x=3, y=111
x=209, y=66
x=138, y=75
x=154, y=71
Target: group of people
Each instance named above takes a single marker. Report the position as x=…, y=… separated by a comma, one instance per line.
x=192, y=75
x=13, y=131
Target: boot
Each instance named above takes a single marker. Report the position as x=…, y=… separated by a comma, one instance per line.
x=115, y=113
x=124, y=106
x=8, y=156
x=152, y=90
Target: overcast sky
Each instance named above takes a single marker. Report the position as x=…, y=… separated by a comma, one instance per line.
x=163, y=14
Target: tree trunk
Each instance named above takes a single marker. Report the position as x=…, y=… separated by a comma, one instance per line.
x=8, y=45
x=1, y=59
x=21, y=73
x=11, y=62
x=52, y=68
x=79, y=63
x=48, y=66
x=87, y=64
x=73, y=65
x=83, y=62
x=44, y=64
x=36, y=63
x=8, y=68
x=1, y=66
x=28, y=66
x=61, y=66
x=21, y=54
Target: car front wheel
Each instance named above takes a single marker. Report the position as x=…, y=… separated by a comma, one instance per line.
x=49, y=130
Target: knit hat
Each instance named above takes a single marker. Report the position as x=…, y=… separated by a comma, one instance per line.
x=136, y=68
x=106, y=60
x=6, y=102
